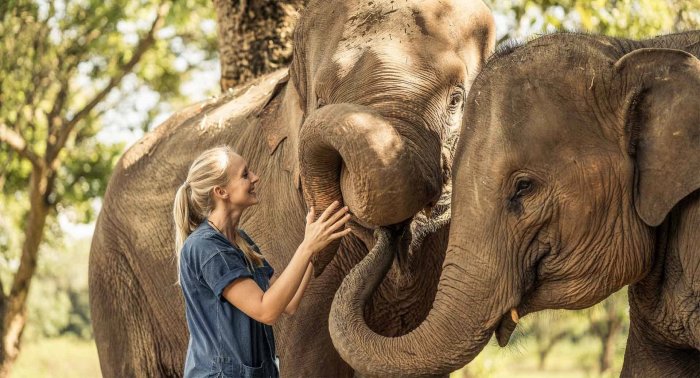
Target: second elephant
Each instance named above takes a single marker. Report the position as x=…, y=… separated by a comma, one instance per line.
x=577, y=173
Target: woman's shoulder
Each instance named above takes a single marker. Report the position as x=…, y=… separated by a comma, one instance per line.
x=202, y=245
x=202, y=236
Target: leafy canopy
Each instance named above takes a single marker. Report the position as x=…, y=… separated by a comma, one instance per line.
x=64, y=65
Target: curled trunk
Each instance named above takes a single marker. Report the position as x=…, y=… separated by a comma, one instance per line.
x=350, y=153
x=465, y=313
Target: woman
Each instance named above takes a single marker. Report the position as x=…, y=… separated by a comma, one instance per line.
x=230, y=299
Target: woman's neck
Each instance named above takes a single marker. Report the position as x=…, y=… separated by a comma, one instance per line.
x=225, y=222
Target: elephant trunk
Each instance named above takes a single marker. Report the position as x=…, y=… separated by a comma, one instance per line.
x=352, y=154
x=466, y=311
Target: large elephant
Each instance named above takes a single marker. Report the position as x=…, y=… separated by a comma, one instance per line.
x=363, y=115
x=577, y=173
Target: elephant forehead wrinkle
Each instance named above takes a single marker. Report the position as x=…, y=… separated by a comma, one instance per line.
x=400, y=33
x=370, y=21
x=346, y=59
x=388, y=46
x=390, y=53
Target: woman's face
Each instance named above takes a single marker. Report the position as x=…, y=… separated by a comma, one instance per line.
x=241, y=184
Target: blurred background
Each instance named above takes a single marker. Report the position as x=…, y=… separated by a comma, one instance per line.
x=82, y=80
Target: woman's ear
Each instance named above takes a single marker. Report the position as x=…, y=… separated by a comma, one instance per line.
x=220, y=192
x=663, y=127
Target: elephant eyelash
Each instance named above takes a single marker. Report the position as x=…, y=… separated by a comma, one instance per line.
x=456, y=96
x=523, y=187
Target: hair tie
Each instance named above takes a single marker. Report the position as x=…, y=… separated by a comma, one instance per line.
x=186, y=184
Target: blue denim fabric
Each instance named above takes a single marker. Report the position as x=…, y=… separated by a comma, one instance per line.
x=224, y=342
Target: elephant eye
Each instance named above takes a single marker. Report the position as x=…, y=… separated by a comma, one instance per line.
x=320, y=103
x=457, y=99
x=522, y=187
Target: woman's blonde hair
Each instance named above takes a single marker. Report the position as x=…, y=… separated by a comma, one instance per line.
x=194, y=201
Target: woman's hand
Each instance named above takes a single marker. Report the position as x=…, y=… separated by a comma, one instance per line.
x=325, y=229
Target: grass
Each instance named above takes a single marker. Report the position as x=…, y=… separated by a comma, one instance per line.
x=70, y=357
x=57, y=358
x=566, y=360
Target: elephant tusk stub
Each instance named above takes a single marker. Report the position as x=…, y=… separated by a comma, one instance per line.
x=514, y=315
x=506, y=326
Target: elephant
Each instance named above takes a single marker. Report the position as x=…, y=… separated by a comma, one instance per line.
x=364, y=115
x=575, y=174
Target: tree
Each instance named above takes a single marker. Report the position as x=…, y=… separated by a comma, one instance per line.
x=62, y=66
x=255, y=37
x=549, y=332
x=520, y=19
x=608, y=321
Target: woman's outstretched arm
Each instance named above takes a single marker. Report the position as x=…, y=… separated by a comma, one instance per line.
x=266, y=307
x=294, y=303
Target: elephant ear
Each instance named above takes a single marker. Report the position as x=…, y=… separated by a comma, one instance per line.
x=663, y=124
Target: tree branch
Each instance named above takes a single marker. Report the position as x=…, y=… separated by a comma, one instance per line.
x=54, y=120
x=143, y=45
x=17, y=143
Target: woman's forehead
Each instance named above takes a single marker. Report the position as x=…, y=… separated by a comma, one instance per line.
x=237, y=163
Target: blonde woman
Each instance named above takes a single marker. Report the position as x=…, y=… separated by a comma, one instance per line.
x=230, y=299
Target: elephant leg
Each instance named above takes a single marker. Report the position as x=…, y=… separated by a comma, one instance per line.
x=303, y=341
x=122, y=322
x=646, y=357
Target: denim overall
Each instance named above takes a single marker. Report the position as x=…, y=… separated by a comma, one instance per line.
x=262, y=275
x=224, y=342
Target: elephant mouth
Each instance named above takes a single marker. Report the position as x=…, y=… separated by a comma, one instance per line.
x=506, y=326
x=412, y=232
x=509, y=320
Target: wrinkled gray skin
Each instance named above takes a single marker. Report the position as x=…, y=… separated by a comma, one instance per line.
x=576, y=173
x=374, y=92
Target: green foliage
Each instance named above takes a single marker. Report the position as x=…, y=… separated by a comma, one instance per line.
x=58, y=299
x=58, y=302
x=83, y=177
x=521, y=19
x=63, y=66
x=57, y=55
x=10, y=237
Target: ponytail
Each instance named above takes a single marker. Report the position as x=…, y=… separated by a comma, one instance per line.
x=184, y=222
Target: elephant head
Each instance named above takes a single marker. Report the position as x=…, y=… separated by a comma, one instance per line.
x=574, y=149
x=379, y=86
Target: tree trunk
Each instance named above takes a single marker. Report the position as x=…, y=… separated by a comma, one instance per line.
x=543, y=356
x=13, y=306
x=255, y=37
x=608, y=353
